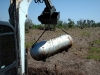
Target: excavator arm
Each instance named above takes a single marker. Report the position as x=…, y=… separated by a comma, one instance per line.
x=49, y=14
x=48, y=3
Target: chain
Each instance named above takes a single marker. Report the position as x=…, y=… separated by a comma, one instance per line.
x=39, y=38
x=62, y=30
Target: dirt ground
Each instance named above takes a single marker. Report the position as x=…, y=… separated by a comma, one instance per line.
x=73, y=62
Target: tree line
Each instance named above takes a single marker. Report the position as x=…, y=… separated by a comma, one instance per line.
x=62, y=24
x=80, y=23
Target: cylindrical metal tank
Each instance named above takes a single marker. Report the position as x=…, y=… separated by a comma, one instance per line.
x=44, y=49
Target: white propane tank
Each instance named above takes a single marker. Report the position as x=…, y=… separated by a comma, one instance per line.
x=44, y=49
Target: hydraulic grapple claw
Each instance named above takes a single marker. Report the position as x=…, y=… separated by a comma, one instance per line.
x=49, y=16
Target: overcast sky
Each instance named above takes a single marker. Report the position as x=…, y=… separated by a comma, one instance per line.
x=74, y=9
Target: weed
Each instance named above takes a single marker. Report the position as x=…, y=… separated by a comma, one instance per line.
x=86, y=33
x=97, y=42
x=28, y=44
x=94, y=50
x=94, y=53
x=26, y=32
x=93, y=56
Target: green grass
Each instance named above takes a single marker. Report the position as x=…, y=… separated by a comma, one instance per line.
x=93, y=56
x=86, y=33
x=94, y=53
x=97, y=42
x=36, y=26
x=94, y=50
x=28, y=44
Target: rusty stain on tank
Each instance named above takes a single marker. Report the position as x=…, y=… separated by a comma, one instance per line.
x=71, y=42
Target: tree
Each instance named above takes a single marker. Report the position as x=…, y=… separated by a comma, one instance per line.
x=88, y=23
x=92, y=23
x=60, y=23
x=84, y=23
x=70, y=23
x=28, y=24
x=65, y=24
x=80, y=24
x=98, y=24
